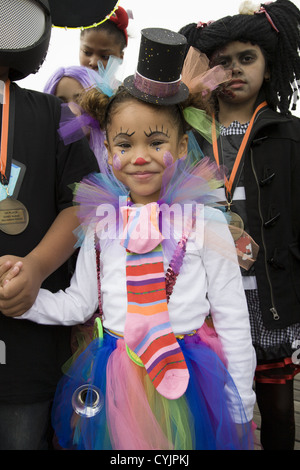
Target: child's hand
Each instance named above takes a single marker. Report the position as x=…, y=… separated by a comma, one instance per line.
x=8, y=270
x=19, y=285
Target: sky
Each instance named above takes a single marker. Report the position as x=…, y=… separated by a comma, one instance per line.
x=170, y=14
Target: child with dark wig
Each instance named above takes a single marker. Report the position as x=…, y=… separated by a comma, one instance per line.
x=260, y=144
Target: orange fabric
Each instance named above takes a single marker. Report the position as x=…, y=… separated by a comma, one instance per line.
x=4, y=131
x=229, y=183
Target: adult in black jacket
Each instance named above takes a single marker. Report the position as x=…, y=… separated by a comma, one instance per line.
x=260, y=137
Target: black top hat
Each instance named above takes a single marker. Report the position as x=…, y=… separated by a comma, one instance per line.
x=80, y=14
x=157, y=79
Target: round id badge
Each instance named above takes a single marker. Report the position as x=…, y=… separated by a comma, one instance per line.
x=14, y=216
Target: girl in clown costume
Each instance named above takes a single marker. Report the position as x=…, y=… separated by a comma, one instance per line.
x=154, y=377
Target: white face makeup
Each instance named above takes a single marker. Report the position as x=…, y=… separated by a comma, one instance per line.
x=141, y=144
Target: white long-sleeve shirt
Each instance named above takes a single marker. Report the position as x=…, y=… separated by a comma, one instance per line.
x=209, y=282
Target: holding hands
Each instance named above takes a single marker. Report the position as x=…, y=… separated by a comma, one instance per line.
x=19, y=284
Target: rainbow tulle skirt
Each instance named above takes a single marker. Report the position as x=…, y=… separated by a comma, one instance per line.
x=107, y=401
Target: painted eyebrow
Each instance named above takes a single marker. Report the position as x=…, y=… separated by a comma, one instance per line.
x=121, y=133
x=166, y=133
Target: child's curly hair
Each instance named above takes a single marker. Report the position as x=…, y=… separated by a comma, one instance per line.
x=101, y=107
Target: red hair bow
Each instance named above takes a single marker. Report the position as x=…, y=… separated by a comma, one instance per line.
x=120, y=18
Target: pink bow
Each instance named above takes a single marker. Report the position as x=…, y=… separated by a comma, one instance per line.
x=141, y=233
x=200, y=24
x=263, y=10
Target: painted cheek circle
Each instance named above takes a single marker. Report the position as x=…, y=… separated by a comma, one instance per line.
x=168, y=159
x=117, y=162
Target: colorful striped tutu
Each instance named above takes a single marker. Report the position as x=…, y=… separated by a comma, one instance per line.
x=127, y=413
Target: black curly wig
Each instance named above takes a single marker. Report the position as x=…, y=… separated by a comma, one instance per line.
x=280, y=48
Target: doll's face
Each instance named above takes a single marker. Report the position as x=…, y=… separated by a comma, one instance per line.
x=248, y=66
x=141, y=141
x=98, y=45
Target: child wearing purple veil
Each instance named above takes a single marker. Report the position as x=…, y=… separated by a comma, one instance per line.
x=69, y=83
x=75, y=77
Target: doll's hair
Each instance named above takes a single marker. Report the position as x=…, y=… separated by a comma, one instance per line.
x=116, y=26
x=274, y=27
x=102, y=108
x=82, y=74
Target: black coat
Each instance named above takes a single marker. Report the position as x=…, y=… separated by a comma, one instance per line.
x=272, y=188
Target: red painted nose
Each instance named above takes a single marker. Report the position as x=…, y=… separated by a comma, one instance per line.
x=140, y=161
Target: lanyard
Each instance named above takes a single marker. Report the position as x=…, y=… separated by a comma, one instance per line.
x=7, y=130
x=229, y=183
